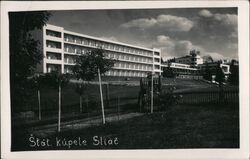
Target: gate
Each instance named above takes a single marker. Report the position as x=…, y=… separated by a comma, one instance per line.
x=146, y=96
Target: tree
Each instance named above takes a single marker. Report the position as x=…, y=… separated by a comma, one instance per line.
x=37, y=81
x=207, y=74
x=219, y=76
x=79, y=90
x=24, y=52
x=171, y=60
x=207, y=59
x=87, y=65
x=234, y=73
x=93, y=64
x=168, y=72
x=58, y=80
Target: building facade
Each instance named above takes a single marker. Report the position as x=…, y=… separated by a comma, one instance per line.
x=193, y=58
x=213, y=66
x=61, y=48
x=184, y=71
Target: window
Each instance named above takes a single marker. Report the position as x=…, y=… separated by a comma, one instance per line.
x=157, y=60
x=92, y=43
x=157, y=53
x=106, y=45
x=117, y=56
x=122, y=48
x=125, y=65
x=111, y=55
x=53, y=56
x=127, y=57
x=53, y=44
x=136, y=66
x=68, y=38
x=122, y=65
x=78, y=40
x=97, y=44
x=86, y=42
x=53, y=33
x=116, y=47
x=53, y=67
x=116, y=64
x=111, y=47
x=136, y=58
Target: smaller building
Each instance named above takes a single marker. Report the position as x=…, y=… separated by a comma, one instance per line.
x=193, y=58
x=213, y=66
x=183, y=71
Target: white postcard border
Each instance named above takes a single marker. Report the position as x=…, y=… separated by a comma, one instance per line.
x=243, y=30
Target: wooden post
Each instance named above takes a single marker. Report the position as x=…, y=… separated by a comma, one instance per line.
x=39, y=104
x=59, y=108
x=80, y=103
x=118, y=107
x=107, y=95
x=152, y=93
x=100, y=84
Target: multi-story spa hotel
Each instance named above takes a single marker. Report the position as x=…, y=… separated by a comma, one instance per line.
x=61, y=48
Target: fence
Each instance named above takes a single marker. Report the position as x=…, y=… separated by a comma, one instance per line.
x=225, y=96
x=117, y=98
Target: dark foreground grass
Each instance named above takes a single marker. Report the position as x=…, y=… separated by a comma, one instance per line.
x=182, y=126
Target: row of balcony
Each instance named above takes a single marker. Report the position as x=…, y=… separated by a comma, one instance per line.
x=108, y=46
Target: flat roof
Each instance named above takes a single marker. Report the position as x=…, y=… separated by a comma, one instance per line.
x=101, y=39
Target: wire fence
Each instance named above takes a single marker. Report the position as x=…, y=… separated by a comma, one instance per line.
x=223, y=96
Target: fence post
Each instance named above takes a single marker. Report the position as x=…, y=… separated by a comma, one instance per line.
x=107, y=94
x=39, y=104
x=100, y=86
x=59, y=108
x=118, y=107
x=152, y=94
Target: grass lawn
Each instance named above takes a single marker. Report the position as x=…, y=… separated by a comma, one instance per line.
x=70, y=99
x=182, y=126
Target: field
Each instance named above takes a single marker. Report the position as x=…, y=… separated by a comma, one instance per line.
x=126, y=91
x=178, y=126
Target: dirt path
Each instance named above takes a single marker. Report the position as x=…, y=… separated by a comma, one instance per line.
x=50, y=129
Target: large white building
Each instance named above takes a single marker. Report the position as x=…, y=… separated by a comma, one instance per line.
x=61, y=48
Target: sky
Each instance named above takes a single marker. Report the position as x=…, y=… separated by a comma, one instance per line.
x=212, y=31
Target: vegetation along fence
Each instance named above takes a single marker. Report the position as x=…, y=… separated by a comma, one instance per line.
x=224, y=96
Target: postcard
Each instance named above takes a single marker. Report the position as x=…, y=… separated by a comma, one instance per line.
x=125, y=79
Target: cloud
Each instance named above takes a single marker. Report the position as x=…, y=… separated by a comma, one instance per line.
x=205, y=13
x=226, y=19
x=165, y=22
x=215, y=56
x=174, y=48
x=183, y=47
x=220, y=24
x=140, y=23
x=174, y=23
x=171, y=48
x=112, y=38
x=163, y=40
